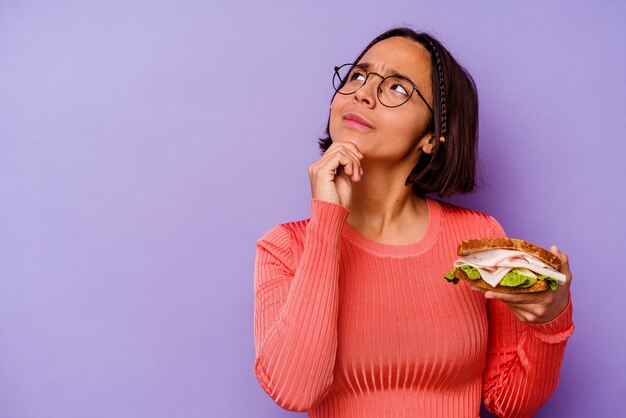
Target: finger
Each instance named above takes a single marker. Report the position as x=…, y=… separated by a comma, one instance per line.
x=554, y=250
x=340, y=155
x=527, y=317
x=514, y=298
x=529, y=309
x=352, y=164
x=563, y=257
x=348, y=165
x=330, y=167
x=524, y=313
x=347, y=145
x=346, y=162
x=522, y=316
x=341, y=150
x=356, y=160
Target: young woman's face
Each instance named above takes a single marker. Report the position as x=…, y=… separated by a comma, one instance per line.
x=393, y=133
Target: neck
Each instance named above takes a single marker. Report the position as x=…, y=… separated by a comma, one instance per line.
x=382, y=205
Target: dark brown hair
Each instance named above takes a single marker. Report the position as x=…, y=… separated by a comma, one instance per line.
x=451, y=168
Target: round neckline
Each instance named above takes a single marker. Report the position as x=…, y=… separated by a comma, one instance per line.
x=400, y=250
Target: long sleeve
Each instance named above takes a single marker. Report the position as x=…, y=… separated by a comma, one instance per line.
x=296, y=309
x=523, y=360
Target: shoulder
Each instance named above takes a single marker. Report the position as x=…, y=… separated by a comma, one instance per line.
x=290, y=236
x=282, y=239
x=480, y=223
x=455, y=213
x=288, y=231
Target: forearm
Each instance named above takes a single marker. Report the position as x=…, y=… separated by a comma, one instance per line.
x=524, y=364
x=296, y=358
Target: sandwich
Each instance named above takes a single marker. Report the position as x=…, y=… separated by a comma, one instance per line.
x=506, y=265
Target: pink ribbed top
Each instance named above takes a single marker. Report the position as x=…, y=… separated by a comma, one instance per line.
x=347, y=327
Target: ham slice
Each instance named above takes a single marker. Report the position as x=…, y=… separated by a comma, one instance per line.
x=493, y=265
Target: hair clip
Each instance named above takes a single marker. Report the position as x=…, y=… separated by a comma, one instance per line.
x=442, y=139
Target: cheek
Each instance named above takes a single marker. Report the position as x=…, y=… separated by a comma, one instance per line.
x=335, y=116
x=405, y=128
x=410, y=125
x=332, y=125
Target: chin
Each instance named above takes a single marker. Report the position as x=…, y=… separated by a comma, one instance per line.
x=356, y=141
x=343, y=135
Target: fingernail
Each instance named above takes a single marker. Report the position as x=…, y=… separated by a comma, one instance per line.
x=361, y=171
x=360, y=155
x=488, y=295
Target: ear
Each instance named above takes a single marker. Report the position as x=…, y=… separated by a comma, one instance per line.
x=427, y=143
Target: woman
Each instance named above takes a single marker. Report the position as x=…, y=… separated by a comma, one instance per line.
x=352, y=315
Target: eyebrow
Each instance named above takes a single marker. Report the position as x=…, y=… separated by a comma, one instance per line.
x=390, y=70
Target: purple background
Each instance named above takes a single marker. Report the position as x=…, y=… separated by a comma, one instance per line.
x=146, y=145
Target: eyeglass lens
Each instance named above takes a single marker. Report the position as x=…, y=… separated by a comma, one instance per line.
x=392, y=91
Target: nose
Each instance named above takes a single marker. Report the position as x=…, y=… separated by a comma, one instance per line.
x=367, y=92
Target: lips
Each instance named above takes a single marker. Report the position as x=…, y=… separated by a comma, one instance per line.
x=355, y=117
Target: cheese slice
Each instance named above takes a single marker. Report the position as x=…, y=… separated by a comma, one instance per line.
x=493, y=265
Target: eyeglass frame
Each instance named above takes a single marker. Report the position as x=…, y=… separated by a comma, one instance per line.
x=378, y=89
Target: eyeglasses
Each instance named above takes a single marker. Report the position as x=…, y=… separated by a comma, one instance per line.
x=393, y=91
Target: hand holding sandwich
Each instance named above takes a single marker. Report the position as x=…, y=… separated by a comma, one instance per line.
x=538, y=307
x=532, y=281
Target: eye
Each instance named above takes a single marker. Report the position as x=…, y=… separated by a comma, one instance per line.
x=399, y=88
x=357, y=75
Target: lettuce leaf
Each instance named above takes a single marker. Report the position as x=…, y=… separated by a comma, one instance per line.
x=472, y=272
x=449, y=276
x=516, y=279
x=552, y=282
